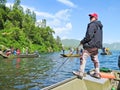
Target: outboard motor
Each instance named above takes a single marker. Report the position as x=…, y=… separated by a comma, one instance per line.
x=119, y=61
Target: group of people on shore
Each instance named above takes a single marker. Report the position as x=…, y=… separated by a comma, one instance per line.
x=13, y=51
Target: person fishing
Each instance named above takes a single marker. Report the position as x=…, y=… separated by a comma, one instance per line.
x=63, y=49
x=71, y=51
x=103, y=50
x=91, y=43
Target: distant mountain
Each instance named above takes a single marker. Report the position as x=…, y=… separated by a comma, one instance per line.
x=75, y=43
x=70, y=42
x=113, y=46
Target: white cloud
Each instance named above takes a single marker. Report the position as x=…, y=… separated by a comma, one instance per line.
x=54, y=22
x=63, y=29
x=63, y=14
x=68, y=26
x=67, y=2
x=44, y=14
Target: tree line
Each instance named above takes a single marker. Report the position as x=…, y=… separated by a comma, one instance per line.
x=18, y=30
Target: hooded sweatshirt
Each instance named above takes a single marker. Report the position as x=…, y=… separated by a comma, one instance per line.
x=94, y=35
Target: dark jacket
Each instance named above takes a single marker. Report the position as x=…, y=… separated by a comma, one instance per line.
x=93, y=37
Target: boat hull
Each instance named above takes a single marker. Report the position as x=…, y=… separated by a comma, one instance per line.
x=88, y=83
x=70, y=55
x=25, y=56
x=20, y=56
x=106, y=53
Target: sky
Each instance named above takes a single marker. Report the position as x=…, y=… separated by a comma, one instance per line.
x=69, y=18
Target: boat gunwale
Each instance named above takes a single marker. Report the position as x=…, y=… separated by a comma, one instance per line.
x=59, y=83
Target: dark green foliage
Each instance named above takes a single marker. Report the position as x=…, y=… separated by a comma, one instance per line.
x=18, y=30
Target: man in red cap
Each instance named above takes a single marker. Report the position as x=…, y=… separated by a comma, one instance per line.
x=91, y=43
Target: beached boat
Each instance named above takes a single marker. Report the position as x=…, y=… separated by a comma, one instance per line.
x=87, y=83
x=2, y=55
x=27, y=56
x=21, y=56
x=70, y=55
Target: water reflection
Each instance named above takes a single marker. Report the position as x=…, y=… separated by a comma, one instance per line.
x=23, y=73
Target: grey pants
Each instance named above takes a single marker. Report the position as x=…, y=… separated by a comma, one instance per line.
x=93, y=53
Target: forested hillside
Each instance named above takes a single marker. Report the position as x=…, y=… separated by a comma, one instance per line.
x=18, y=30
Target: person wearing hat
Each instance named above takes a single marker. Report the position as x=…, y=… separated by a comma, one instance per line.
x=91, y=43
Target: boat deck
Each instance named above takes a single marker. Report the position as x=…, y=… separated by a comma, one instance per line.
x=87, y=83
x=89, y=78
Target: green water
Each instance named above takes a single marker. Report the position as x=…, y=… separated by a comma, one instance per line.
x=37, y=73
x=23, y=73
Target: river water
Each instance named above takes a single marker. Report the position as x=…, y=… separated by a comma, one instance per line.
x=37, y=73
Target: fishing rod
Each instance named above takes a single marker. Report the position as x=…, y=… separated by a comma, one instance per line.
x=64, y=62
x=62, y=65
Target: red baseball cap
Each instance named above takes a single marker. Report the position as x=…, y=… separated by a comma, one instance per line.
x=94, y=15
